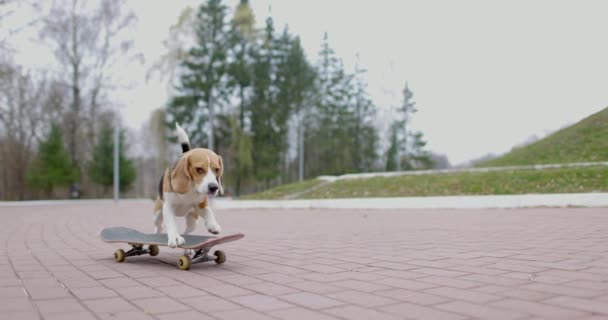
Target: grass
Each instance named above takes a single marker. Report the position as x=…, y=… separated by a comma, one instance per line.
x=585, y=141
x=283, y=191
x=563, y=180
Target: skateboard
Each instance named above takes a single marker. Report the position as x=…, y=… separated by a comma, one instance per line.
x=199, y=244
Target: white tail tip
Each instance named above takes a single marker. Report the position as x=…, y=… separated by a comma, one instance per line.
x=182, y=137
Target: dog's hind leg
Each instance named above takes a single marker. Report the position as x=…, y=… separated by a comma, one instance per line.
x=158, y=221
x=191, y=221
x=158, y=216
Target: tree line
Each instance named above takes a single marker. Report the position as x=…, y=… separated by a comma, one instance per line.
x=256, y=98
x=57, y=121
x=250, y=94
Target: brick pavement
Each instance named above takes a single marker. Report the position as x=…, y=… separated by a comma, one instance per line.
x=312, y=264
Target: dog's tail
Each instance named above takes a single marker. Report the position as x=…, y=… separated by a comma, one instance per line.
x=182, y=137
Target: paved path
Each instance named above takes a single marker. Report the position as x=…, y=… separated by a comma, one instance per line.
x=312, y=264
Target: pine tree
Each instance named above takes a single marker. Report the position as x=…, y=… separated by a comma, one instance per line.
x=240, y=71
x=392, y=153
x=410, y=153
x=364, y=134
x=202, y=89
x=52, y=167
x=295, y=82
x=331, y=131
x=101, y=165
x=266, y=119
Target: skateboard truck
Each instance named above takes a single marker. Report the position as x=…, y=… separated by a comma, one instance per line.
x=201, y=255
x=136, y=250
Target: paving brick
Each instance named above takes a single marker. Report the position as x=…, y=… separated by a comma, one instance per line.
x=184, y=315
x=561, y=290
x=480, y=311
x=413, y=311
x=403, y=284
x=361, y=298
x=412, y=296
x=272, y=289
x=15, y=304
x=449, y=282
x=299, y=314
x=539, y=309
x=594, y=306
x=463, y=294
x=70, y=316
x=160, y=305
x=495, y=280
x=111, y=305
x=261, y=302
x=138, y=292
x=315, y=287
x=12, y=292
x=242, y=314
x=20, y=315
x=311, y=300
x=126, y=315
x=93, y=293
x=360, y=313
x=227, y=290
x=59, y=306
x=182, y=291
x=210, y=304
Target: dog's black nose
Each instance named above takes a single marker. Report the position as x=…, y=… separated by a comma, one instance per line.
x=213, y=187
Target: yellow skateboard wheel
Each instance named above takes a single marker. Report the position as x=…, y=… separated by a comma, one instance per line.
x=153, y=250
x=119, y=255
x=184, y=263
x=220, y=256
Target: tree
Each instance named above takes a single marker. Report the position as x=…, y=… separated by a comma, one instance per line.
x=89, y=42
x=202, y=87
x=408, y=145
x=331, y=122
x=101, y=165
x=295, y=88
x=28, y=102
x=52, y=166
x=364, y=134
x=240, y=71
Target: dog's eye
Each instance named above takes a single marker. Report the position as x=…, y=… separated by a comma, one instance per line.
x=217, y=170
x=200, y=170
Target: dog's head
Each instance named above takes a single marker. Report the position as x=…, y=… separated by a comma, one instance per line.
x=199, y=169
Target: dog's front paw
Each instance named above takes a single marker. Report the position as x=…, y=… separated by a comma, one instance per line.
x=214, y=228
x=174, y=240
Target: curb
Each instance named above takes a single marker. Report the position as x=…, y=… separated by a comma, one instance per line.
x=589, y=200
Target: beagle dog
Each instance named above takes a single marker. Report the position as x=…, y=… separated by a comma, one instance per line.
x=185, y=188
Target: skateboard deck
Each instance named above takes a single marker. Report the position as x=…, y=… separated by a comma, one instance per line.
x=137, y=240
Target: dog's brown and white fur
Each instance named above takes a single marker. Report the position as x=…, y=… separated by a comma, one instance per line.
x=185, y=189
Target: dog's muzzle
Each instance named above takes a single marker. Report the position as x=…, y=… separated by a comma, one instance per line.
x=213, y=187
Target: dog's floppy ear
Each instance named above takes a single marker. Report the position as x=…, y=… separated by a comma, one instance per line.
x=180, y=176
x=219, y=175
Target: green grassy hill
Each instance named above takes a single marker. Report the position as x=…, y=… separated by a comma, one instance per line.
x=585, y=141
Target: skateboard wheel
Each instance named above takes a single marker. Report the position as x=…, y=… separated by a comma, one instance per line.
x=184, y=263
x=119, y=255
x=220, y=256
x=153, y=250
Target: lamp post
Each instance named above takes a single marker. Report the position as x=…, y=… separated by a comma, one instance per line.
x=116, y=162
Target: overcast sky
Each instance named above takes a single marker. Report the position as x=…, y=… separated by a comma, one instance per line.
x=486, y=75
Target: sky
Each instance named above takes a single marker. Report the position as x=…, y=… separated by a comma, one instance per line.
x=486, y=75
